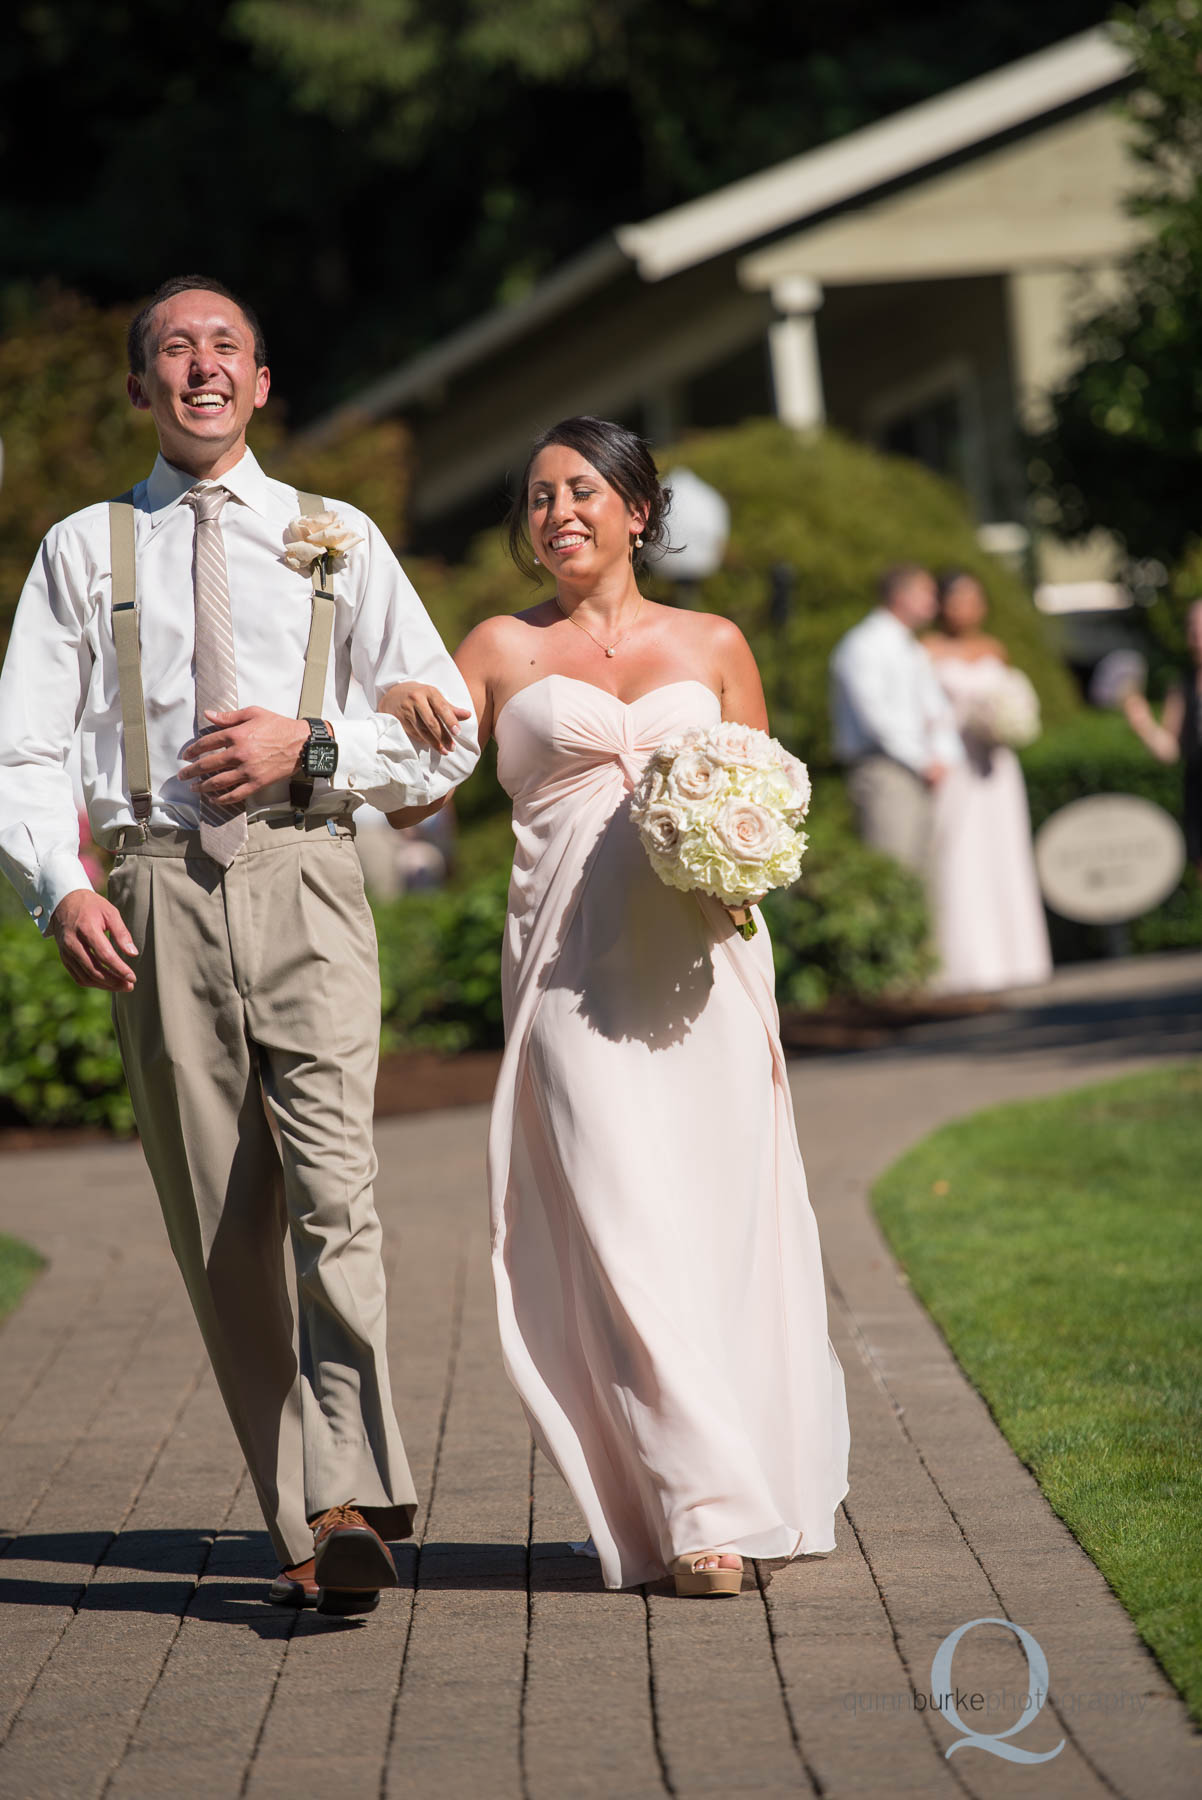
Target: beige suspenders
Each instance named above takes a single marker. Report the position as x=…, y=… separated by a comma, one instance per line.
x=127, y=642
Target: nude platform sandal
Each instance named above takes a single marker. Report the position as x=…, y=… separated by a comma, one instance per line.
x=706, y=1584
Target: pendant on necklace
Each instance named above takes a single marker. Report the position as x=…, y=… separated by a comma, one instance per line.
x=611, y=650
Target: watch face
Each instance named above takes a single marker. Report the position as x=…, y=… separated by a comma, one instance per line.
x=321, y=759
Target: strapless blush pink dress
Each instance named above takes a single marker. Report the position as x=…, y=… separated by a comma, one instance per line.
x=658, y=1276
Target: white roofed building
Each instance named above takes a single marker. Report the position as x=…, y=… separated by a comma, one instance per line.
x=911, y=283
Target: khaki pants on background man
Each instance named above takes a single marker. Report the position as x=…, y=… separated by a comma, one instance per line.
x=894, y=811
x=258, y=987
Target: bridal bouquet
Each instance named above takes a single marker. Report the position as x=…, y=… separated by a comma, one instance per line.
x=721, y=811
x=1009, y=713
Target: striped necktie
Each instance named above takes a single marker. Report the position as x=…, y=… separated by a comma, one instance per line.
x=222, y=828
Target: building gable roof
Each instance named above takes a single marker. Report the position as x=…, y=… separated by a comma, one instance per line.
x=747, y=212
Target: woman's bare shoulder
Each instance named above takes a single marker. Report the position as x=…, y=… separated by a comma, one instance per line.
x=503, y=632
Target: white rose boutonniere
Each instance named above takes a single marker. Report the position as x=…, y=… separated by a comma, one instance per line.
x=318, y=535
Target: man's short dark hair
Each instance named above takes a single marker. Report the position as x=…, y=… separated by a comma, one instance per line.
x=896, y=578
x=139, y=330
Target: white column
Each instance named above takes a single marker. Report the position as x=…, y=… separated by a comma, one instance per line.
x=793, y=345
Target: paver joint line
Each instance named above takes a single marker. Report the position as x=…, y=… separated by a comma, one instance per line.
x=458, y=1298
x=902, y=1658
x=172, y=1642
x=113, y=1537
x=811, y=1774
x=523, y=1770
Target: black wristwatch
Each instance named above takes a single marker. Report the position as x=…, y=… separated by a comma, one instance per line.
x=320, y=755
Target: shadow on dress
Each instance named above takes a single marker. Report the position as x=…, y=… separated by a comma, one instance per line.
x=638, y=957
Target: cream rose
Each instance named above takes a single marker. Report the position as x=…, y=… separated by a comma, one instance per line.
x=747, y=832
x=661, y=827
x=741, y=744
x=695, y=776
x=318, y=534
x=798, y=778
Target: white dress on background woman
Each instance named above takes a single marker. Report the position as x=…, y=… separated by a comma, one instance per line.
x=990, y=928
x=659, y=1283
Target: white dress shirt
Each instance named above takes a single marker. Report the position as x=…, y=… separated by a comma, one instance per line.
x=60, y=674
x=886, y=699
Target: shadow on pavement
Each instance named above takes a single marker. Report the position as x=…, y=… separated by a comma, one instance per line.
x=1082, y=1030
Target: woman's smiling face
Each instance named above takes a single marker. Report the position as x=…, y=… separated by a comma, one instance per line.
x=580, y=526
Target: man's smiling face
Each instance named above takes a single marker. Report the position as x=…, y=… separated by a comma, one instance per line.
x=200, y=384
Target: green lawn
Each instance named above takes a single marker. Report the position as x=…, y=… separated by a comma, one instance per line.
x=1058, y=1246
x=18, y=1266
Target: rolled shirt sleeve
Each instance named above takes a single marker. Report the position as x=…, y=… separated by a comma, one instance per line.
x=42, y=689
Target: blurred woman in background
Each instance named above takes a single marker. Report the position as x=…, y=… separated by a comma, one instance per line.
x=1177, y=735
x=989, y=922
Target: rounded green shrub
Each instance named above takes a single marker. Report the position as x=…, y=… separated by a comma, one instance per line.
x=59, y=1063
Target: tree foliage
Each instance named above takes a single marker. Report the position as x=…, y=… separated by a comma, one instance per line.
x=1124, y=451
x=72, y=437
x=373, y=172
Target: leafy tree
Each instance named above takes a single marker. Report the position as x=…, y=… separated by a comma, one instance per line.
x=1124, y=450
x=374, y=172
x=71, y=436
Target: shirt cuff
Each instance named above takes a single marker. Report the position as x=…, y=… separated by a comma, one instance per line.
x=61, y=874
x=367, y=758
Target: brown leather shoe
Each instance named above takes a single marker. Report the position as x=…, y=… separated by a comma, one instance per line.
x=351, y=1562
x=295, y=1587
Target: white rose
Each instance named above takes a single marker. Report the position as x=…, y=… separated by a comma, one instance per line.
x=661, y=827
x=747, y=832
x=695, y=776
x=318, y=534
x=798, y=778
x=741, y=744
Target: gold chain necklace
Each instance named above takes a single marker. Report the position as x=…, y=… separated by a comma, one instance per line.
x=609, y=649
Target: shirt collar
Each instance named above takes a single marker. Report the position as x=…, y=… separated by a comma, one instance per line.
x=167, y=485
x=888, y=621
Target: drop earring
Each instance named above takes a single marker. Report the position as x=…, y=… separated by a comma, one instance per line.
x=536, y=563
x=638, y=543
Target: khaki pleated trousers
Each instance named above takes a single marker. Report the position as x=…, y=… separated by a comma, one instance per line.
x=258, y=994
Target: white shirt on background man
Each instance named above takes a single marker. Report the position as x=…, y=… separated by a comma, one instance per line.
x=61, y=673
x=886, y=699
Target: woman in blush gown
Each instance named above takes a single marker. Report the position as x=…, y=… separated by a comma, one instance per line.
x=658, y=1275
x=990, y=928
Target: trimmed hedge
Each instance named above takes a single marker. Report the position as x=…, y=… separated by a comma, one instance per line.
x=1097, y=753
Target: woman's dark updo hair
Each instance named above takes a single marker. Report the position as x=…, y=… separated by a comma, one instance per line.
x=947, y=579
x=621, y=457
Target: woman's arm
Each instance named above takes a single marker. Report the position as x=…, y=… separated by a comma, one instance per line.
x=425, y=709
x=1162, y=738
x=739, y=681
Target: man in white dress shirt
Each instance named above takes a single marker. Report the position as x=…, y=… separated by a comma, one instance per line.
x=893, y=725
x=235, y=937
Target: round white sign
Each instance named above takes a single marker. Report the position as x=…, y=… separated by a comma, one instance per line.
x=1108, y=859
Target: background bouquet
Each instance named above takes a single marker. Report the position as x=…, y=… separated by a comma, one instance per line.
x=1008, y=713
x=721, y=811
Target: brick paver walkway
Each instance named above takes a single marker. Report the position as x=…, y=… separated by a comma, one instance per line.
x=137, y=1657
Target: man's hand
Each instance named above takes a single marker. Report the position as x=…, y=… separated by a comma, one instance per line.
x=246, y=750
x=427, y=717
x=85, y=926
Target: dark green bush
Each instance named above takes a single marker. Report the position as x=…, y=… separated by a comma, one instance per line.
x=1097, y=753
x=440, y=966
x=58, y=1055
x=854, y=927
